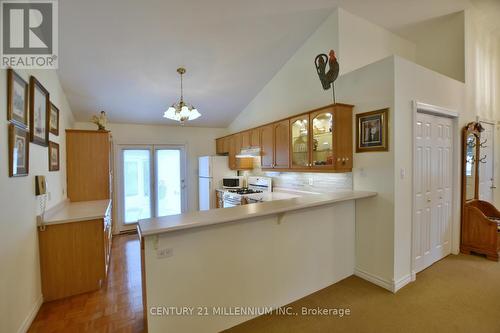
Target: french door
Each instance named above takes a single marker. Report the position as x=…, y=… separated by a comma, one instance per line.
x=152, y=182
x=433, y=172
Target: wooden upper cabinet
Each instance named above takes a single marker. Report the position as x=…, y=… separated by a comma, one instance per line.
x=300, y=142
x=232, y=151
x=343, y=137
x=219, y=146
x=320, y=140
x=88, y=165
x=267, y=146
x=255, y=137
x=245, y=139
x=281, y=144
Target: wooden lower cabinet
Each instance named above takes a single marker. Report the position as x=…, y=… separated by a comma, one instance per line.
x=74, y=257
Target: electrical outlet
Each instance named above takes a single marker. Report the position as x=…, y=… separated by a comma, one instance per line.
x=164, y=253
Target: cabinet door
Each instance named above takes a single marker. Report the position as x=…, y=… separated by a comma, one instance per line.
x=343, y=137
x=267, y=146
x=245, y=139
x=225, y=145
x=255, y=137
x=282, y=144
x=232, y=152
x=322, y=143
x=219, y=146
x=299, y=142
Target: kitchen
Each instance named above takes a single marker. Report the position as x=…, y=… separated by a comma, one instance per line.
x=238, y=202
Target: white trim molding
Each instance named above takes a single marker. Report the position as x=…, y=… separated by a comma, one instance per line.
x=392, y=286
x=31, y=315
x=435, y=110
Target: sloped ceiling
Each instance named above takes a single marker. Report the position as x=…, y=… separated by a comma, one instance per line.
x=121, y=55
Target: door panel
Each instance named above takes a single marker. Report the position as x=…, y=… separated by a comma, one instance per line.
x=432, y=190
x=136, y=184
x=281, y=144
x=267, y=146
x=169, y=181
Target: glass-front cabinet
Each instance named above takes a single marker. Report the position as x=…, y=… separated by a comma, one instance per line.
x=322, y=139
x=299, y=135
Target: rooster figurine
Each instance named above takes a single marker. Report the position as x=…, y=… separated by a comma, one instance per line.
x=327, y=78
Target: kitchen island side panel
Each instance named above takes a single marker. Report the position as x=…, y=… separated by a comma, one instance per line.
x=267, y=261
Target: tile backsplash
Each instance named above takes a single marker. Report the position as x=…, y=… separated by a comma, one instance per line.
x=312, y=181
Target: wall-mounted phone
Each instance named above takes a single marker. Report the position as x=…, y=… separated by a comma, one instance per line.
x=40, y=185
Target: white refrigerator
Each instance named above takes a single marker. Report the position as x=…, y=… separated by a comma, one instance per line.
x=212, y=169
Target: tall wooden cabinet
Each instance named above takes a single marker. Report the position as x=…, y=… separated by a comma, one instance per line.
x=89, y=171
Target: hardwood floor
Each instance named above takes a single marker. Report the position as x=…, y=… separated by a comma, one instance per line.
x=116, y=307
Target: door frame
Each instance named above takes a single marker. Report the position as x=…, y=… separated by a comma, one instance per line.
x=438, y=111
x=119, y=185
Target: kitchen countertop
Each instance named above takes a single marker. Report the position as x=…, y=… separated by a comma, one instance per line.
x=68, y=211
x=154, y=226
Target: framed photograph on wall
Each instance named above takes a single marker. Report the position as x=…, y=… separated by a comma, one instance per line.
x=17, y=99
x=18, y=151
x=54, y=156
x=39, y=113
x=54, y=120
x=372, y=131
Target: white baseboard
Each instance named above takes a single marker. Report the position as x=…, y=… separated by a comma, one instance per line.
x=402, y=282
x=31, y=316
x=392, y=286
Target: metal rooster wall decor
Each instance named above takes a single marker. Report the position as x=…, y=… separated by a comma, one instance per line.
x=327, y=78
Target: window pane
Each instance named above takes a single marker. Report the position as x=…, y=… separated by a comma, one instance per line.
x=136, y=185
x=168, y=183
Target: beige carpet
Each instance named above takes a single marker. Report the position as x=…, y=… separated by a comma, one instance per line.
x=458, y=294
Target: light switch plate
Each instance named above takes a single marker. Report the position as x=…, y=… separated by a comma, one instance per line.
x=164, y=253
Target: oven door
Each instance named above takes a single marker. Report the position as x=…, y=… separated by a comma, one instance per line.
x=230, y=201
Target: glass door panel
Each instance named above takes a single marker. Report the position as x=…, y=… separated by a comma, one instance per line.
x=300, y=142
x=168, y=182
x=136, y=184
x=322, y=145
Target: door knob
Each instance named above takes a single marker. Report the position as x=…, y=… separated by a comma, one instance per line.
x=428, y=200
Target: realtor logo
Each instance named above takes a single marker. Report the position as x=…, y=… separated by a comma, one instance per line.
x=29, y=35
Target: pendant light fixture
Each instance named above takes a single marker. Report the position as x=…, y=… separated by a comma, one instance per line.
x=181, y=111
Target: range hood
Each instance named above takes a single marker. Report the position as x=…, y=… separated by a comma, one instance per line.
x=249, y=152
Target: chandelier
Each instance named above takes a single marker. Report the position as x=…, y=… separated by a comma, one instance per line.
x=181, y=111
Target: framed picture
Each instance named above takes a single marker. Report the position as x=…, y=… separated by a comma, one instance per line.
x=18, y=151
x=39, y=113
x=372, y=131
x=53, y=156
x=54, y=120
x=17, y=99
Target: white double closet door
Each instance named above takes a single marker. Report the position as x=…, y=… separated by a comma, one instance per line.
x=433, y=173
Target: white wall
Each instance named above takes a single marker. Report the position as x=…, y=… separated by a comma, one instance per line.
x=20, y=287
x=416, y=83
x=296, y=87
x=440, y=44
x=199, y=141
x=362, y=42
x=372, y=88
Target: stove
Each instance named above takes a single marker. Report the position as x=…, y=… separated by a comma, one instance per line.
x=244, y=190
x=237, y=197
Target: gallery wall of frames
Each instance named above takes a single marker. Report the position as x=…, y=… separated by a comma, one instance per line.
x=31, y=117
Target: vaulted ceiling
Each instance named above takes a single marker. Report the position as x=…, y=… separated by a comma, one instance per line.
x=121, y=55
